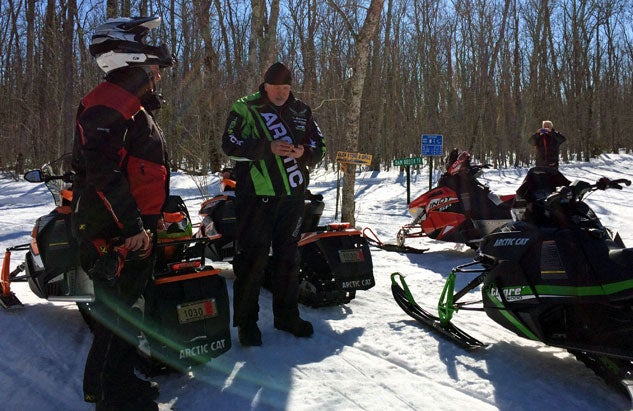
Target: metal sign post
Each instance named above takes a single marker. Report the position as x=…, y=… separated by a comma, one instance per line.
x=432, y=146
x=407, y=163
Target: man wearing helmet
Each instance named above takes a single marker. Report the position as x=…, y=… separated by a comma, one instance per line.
x=121, y=184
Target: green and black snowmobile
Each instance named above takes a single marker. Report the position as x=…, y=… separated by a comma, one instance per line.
x=555, y=274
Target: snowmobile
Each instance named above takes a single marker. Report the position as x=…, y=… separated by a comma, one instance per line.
x=183, y=316
x=460, y=209
x=335, y=259
x=555, y=275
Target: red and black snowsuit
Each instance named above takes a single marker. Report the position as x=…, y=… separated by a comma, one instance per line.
x=121, y=184
x=547, y=143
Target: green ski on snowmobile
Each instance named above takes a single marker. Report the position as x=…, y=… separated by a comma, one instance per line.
x=447, y=306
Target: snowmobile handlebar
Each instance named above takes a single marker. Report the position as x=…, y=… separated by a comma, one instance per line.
x=605, y=183
x=577, y=190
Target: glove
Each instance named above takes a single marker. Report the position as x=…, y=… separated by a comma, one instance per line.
x=603, y=183
x=107, y=268
x=101, y=261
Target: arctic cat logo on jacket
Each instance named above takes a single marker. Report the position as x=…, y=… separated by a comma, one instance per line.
x=510, y=242
x=253, y=123
x=279, y=132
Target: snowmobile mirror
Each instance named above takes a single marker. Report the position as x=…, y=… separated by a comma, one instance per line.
x=34, y=176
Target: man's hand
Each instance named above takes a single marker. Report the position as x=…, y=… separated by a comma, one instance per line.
x=285, y=149
x=138, y=241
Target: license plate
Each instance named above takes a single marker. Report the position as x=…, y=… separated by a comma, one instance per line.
x=351, y=256
x=196, y=311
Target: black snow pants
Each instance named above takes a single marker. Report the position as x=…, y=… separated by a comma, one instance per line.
x=264, y=222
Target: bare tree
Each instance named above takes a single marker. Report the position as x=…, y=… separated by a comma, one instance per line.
x=112, y=8
x=69, y=78
x=358, y=72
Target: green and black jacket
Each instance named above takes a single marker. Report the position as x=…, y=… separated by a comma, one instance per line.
x=252, y=124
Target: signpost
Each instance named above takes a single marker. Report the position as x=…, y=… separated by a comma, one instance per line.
x=344, y=157
x=407, y=163
x=432, y=146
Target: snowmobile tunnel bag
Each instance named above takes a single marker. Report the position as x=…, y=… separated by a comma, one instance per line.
x=334, y=264
x=189, y=317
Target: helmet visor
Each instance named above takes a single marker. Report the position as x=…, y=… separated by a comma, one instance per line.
x=160, y=55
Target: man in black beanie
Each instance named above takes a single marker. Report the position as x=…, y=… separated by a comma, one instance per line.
x=278, y=74
x=274, y=140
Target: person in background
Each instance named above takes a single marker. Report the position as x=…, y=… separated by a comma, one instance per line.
x=547, y=142
x=273, y=139
x=120, y=186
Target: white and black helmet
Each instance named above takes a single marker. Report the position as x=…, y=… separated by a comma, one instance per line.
x=120, y=43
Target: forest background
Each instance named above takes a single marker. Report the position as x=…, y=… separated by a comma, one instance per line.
x=483, y=73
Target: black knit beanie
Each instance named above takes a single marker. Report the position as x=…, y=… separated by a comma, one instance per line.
x=278, y=74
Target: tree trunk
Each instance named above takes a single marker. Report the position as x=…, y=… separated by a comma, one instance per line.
x=68, y=62
x=354, y=100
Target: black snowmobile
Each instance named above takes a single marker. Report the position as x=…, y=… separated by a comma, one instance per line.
x=183, y=317
x=554, y=275
x=335, y=259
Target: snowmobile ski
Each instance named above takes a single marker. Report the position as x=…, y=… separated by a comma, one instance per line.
x=8, y=299
x=373, y=239
x=446, y=329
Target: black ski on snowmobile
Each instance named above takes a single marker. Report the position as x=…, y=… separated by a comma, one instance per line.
x=554, y=275
x=373, y=240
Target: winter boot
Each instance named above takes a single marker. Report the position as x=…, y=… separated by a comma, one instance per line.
x=144, y=389
x=295, y=326
x=137, y=387
x=138, y=404
x=249, y=335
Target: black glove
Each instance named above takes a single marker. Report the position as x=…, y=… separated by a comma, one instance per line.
x=107, y=268
x=603, y=183
x=101, y=261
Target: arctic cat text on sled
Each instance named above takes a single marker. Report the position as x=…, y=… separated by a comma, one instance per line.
x=335, y=259
x=554, y=275
x=183, y=317
x=460, y=209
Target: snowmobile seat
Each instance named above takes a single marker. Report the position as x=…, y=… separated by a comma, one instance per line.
x=312, y=214
x=539, y=183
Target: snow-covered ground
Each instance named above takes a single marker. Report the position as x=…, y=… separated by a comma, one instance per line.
x=365, y=355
